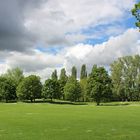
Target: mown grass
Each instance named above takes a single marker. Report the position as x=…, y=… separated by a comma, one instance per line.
x=43, y=121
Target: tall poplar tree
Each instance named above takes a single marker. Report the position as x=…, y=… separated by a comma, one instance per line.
x=83, y=72
x=74, y=72
x=62, y=81
x=54, y=75
x=83, y=83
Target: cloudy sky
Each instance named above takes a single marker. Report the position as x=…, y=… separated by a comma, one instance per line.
x=41, y=35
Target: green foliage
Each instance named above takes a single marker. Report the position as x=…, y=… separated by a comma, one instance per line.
x=15, y=75
x=63, y=75
x=72, y=89
x=54, y=75
x=99, y=84
x=62, y=81
x=83, y=72
x=136, y=12
x=30, y=88
x=7, y=89
x=51, y=89
x=125, y=74
x=74, y=72
x=83, y=84
x=118, y=83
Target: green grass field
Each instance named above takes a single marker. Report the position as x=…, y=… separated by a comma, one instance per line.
x=24, y=121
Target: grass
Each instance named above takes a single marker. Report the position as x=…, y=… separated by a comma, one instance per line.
x=43, y=121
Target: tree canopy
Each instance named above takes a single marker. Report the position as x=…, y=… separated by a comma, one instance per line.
x=30, y=88
x=74, y=72
x=51, y=89
x=14, y=74
x=136, y=13
x=54, y=75
x=125, y=74
x=83, y=72
x=7, y=89
x=72, y=89
x=62, y=81
x=99, y=84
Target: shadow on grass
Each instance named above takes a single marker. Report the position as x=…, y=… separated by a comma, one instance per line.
x=114, y=104
x=10, y=101
x=57, y=102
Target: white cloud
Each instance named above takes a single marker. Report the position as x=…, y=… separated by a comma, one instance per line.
x=42, y=63
x=104, y=54
x=33, y=62
x=55, y=19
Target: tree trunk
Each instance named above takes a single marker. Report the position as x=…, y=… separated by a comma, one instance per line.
x=98, y=103
x=6, y=101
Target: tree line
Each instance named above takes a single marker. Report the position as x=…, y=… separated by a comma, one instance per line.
x=120, y=83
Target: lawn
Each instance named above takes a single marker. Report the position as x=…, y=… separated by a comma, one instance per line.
x=42, y=121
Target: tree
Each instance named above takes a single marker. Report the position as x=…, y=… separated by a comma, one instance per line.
x=72, y=89
x=118, y=83
x=15, y=74
x=125, y=76
x=137, y=77
x=83, y=82
x=30, y=88
x=99, y=84
x=7, y=89
x=62, y=81
x=74, y=72
x=136, y=13
x=54, y=75
x=83, y=72
x=51, y=89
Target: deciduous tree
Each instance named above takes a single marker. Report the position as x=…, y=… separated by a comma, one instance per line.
x=72, y=89
x=51, y=89
x=30, y=88
x=7, y=89
x=15, y=75
x=99, y=85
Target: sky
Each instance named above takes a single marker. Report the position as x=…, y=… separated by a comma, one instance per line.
x=42, y=35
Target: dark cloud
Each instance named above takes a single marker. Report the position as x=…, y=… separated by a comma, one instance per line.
x=13, y=34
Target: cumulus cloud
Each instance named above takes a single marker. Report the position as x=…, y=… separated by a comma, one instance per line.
x=42, y=63
x=34, y=62
x=60, y=22
x=103, y=54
